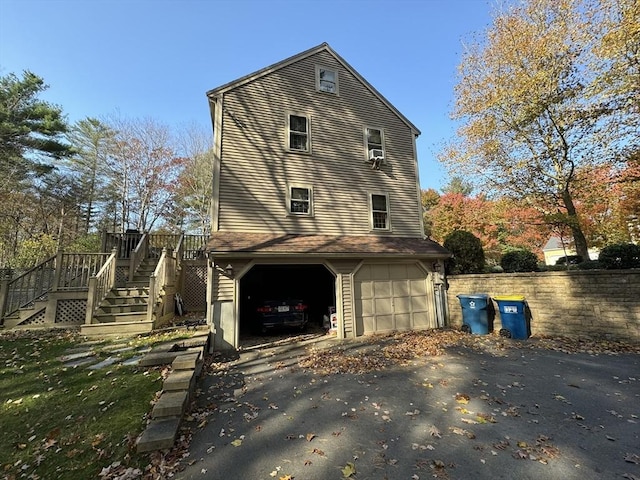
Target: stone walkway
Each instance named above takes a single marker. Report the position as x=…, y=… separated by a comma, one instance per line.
x=88, y=355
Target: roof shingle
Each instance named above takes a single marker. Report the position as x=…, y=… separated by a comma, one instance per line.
x=327, y=245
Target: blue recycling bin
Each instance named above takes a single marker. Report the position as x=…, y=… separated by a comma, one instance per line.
x=513, y=316
x=475, y=318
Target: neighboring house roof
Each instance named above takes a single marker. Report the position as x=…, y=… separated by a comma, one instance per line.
x=555, y=243
x=234, y=243
x=295, y=58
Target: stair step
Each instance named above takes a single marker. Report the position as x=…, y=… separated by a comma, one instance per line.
x=120, y=328
x=122, y=308
x=130, y=300
x=129, y=291
x=120, y=317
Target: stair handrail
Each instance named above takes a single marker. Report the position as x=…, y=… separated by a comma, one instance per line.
x=159, y=279
x=27, y=287
x=100, y=285
x=138, y=254
x=178, y=252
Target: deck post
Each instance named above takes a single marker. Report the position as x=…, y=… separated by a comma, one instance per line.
x=4, y=291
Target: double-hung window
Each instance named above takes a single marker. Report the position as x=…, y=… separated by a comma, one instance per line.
x=379, y=211
x=326, y=80
x=299, y=200
x=374, y=141
x=298, y=133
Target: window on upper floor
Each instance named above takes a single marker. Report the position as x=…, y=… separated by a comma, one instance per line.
x=379, y=211
x=326, y=79
x=299, y=200
x=298, y=136
x=374, y=141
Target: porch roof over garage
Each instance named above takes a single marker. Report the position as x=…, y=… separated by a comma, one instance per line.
x=265, y=244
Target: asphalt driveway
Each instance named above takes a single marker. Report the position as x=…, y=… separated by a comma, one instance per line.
x=487, y=408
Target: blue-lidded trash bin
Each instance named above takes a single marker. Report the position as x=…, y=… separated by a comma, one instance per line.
x=475, y=318
x=513, y=316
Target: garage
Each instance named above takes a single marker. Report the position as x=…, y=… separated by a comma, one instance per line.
x=313, y=284
x=391, y=297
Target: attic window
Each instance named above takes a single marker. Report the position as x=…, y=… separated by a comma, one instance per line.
x=326, y=80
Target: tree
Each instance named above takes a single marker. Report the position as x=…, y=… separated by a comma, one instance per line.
x=429, y=199
x=530, y=115
x=192, y=208
x=617, y=27
x=31, y=130
x=458, y=185
x=93, y=142
x=143, y=169
x=468, y=256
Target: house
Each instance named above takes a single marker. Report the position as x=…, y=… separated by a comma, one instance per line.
x=557, y=248
x=316, y=196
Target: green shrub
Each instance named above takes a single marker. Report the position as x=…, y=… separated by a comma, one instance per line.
x=590, y=265
x=519, y=261
x=468, y=255
x=620, y=256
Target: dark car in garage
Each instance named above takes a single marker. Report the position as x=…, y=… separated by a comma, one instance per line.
x=282, y=314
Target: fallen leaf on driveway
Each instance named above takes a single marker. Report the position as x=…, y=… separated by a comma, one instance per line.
x=434, y=432
x=310, y=436
x=349, y=470
x=237, y=442
x=462, y=398
x=632, y=458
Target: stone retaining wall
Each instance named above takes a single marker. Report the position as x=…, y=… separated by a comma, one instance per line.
x=590, y=303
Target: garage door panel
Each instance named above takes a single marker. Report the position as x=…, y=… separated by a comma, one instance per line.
x=366, y=289
x=368, y=307
x=401, y=288
x=403, y=321
x=368, y=323
x=421, y=320
x=384, y=322
x=383, y=306
x=418, y=286
x=419, y=303
x=402, y=304
x=382, y=289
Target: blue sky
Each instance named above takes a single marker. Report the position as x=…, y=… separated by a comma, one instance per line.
x=157, y=58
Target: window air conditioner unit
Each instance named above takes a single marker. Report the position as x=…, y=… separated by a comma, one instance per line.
x=376, y=157
x=376, y=154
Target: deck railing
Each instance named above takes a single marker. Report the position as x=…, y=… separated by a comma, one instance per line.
x=28, y=287
x=194, y=246
x=101, y=284
x=162, y=276
x=75, y=269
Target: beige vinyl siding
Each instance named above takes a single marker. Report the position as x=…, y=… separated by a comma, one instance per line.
x=256, y=168
x=223, y=287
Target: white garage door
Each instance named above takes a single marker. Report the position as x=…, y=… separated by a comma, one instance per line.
x=391, y=297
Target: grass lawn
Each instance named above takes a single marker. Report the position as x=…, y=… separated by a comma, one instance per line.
x=69, y=423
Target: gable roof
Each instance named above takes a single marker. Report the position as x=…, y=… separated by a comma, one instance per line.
x=211, y=94
x=266, y=244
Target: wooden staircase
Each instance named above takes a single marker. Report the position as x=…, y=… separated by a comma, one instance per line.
x=125, y=309
x=25, y=315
